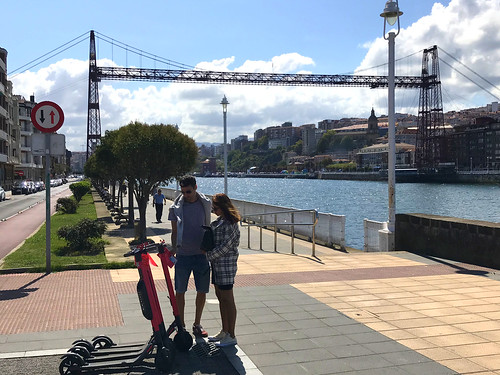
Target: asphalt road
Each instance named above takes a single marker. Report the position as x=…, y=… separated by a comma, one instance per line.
x=21, y=215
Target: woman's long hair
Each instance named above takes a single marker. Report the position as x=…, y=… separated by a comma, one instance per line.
x=229, y=212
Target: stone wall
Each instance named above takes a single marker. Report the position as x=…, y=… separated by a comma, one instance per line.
x=468, y=241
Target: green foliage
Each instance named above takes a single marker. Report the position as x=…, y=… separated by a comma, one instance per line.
x=84, y=237
x=326, y=141
x=32, y=253
x=79, y=189
x=67, y=205
x=345, y=167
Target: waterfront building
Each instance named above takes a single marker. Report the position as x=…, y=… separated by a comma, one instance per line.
x=375, y=156
x=477, y=146
x=77, y=162
x=239, y=142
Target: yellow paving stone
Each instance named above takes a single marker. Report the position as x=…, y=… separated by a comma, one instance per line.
x=461, y=319
x=416, y=323
x=443, y=312
x=482, y=308
x=488, y=325
x=387, y=308
x=462, y=365
x=476, y=350
x=373, y=303
x=491, y=362
x=381, y=326
x=401, y=315
x=435, y=331
x=438, y=354
x=493, y=315
x=467, y=302
x=339, y=305
x=416, y=344
x=398, y=334
x=427, y=305
x=457, y=339
x=489, y=335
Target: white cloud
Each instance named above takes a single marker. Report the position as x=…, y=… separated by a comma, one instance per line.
x=467, y=29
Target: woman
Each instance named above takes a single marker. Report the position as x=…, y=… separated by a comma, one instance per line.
x=223, y=259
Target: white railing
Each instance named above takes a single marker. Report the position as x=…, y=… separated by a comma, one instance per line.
x=375, y=235
x=330, y=228
x=283, y=220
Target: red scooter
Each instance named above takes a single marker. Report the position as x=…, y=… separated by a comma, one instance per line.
x=103, y=353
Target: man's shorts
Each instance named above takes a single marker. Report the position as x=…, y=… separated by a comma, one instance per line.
x=198, y=264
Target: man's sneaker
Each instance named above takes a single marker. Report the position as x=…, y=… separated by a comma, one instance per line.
x=226, y=341
x=199, y=331
x=217, y=337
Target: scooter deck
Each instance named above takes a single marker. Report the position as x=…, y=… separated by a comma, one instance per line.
x=126, y=348
x=111, y=355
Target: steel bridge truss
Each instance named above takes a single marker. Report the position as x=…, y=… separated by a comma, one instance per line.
x=429, y=84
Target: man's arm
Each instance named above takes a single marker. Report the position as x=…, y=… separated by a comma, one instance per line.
x=173, y=238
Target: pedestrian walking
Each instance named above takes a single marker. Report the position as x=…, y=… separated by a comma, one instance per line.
x=158, y=202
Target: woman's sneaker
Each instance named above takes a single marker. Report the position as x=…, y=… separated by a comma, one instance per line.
x=217, y=337
x=198, y=331
x=227, y=341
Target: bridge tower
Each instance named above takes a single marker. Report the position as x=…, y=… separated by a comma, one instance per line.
x=93, y=115
x=431, y=147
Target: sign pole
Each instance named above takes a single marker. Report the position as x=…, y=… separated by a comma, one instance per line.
x=47, y=117
x=47, y=203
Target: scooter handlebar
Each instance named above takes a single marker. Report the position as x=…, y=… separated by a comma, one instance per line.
x=143, y=248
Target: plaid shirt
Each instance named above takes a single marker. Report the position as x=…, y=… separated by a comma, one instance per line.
x=224, y=256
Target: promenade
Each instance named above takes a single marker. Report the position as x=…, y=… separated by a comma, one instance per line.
x=336, y=313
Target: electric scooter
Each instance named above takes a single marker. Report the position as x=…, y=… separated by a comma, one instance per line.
x=83, y=358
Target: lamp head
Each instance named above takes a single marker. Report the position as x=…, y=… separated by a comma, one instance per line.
x=224, y=103
x=391, y=12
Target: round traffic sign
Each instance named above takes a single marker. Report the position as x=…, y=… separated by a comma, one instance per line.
x=47, y=117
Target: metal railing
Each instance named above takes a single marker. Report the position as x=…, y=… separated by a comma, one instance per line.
x=260, y=220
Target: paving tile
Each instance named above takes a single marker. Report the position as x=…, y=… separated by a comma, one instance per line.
x=292, y=369
x=491, y=362
x=453, y=340
x=476, y=350
x=367, y=362
x=328, y=366
x=438, y=354
x=463, y=365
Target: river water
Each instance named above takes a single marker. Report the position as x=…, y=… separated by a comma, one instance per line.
x=358, y=200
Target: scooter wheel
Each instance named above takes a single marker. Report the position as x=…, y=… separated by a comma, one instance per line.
x=102, y=342
x=71, y=364
x=85, y=343
x=80, y=350
x=164, y=359
x=105, y=338
x=183, y=341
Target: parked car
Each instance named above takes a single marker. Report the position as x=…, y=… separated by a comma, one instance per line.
x=2, y=194
x=21, y=187
x=39, y=186
x=31, y=187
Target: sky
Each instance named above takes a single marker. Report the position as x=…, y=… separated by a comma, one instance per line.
x=280, y=36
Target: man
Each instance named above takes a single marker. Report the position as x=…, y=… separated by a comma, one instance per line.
x=187, y=214
x=158, y=201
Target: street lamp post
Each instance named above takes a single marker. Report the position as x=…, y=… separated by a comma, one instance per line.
x=391, y=15
x=224, y=103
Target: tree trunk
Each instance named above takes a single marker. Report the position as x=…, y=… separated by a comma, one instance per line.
x=130, y=205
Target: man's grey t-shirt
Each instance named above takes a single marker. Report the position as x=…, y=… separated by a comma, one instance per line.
x=193, y=216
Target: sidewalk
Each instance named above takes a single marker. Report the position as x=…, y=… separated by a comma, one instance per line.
x=349, y=313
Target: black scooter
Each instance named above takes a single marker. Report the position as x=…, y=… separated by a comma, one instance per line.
x=103, y=353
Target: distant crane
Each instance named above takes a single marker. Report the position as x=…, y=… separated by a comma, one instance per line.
x=429, y=84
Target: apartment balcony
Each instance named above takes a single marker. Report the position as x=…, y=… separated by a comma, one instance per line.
x=4, y=136
x=3, y=158
x=3, y=111
x=2, y=87
x=27, y=165
x=26, y=133
x=3, y=66
x=25, y=148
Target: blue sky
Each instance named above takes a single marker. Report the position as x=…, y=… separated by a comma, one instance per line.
x=317, y=36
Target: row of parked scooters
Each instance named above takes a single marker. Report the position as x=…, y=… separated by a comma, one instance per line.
x=102, y=353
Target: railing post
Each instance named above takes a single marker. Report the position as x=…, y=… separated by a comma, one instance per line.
x=260, y=227
x=314, y=234
x=249, y=234
x=275, y=233
x=292, y=234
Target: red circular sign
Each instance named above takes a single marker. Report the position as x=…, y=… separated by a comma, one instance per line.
x=47, y=117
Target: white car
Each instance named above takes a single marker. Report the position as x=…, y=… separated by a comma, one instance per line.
x=2, y=194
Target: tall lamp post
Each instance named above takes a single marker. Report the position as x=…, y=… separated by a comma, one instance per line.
x=224, y=103
x=391, y=14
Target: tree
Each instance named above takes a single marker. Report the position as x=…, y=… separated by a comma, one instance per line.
x=325, y=141
x=147, y=155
